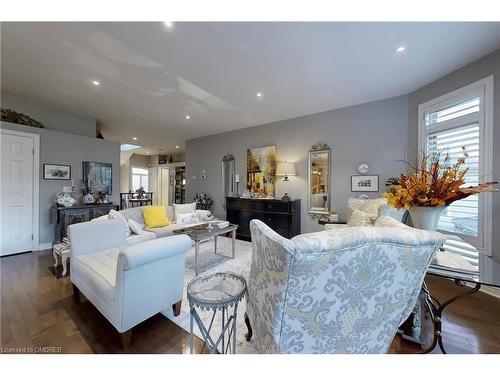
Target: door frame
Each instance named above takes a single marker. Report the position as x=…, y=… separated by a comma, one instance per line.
x=36, y=183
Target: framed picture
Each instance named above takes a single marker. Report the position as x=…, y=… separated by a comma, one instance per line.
x=56, y=172
x=364, y=183
x=261, y=171
x=97, y=176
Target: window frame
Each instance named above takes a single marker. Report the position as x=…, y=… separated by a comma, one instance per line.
x=484, y=89
x=140, y=176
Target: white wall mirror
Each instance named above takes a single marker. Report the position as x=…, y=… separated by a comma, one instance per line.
x=319, y=163
x=228, y=178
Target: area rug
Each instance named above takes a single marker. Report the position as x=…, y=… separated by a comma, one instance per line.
x=209, y=262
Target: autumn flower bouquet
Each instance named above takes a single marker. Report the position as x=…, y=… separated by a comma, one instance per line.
x=435, y=182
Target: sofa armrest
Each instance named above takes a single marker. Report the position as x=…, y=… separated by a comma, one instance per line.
x=92, y=236
x=151, y=251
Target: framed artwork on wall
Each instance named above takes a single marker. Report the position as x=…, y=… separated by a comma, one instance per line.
x=98, y=177
x=261, y=171
x=56, y=172
x=364, y=183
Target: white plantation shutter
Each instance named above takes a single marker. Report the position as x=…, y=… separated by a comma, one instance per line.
x=446, y=125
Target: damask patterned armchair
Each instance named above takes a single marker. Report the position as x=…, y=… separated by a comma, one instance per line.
x=337, y=291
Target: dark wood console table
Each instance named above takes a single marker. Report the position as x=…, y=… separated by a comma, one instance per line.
x=282, y=216
x=64, y=216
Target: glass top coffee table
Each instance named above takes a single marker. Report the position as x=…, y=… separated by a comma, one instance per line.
x=203, y=232
x=451, y=266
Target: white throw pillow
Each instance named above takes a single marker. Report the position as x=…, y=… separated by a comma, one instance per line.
x=372, y=206
x=359, y=219
x=135, y=227
x=203, y=215
x=188, y=208
x=100, y=218
x=388, y=221
x=117, y=215
x=187, y=219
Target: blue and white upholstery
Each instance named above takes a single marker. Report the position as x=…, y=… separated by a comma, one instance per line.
x=337, y=291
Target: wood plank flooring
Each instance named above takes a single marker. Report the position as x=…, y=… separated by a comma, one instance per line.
x=38, y=311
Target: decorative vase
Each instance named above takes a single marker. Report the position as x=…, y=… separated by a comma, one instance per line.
x=426, y=217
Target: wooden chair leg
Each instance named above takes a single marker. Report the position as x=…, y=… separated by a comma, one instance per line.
x=177, y=308
x=126, y=338
x=249, y=334
x=77, y=296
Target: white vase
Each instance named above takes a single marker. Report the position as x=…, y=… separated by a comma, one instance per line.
x=426, y=217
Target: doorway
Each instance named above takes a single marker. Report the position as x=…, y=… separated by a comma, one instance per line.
x=19, y=191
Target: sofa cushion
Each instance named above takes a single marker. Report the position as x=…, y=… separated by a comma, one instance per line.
x=359, y=219
x=135, y=227
x=134, y=213
x=138, y=238
x=155, y=216
x=188, y=208
x=388, y=221
x=117, y=215
x=100, y=271
x=187, y=219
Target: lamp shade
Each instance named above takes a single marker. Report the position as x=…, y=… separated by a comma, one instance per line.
x=286, y=168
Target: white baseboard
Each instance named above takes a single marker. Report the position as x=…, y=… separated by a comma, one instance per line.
x=492, y=291
x=44, y=246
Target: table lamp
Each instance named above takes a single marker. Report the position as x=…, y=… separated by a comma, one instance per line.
x=286, y=169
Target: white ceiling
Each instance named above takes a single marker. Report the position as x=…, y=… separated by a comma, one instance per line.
x=152, y=76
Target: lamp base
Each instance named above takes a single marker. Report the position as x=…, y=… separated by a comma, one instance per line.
x=286, y=197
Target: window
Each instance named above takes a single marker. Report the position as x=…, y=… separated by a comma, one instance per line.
x=463, y=118
x=139, y=178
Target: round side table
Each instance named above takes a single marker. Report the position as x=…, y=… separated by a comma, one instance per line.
x=221, y=292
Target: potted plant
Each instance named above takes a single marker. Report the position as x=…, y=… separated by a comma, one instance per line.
x=434, y=184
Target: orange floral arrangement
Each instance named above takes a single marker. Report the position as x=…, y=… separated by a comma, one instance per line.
x=435, y=182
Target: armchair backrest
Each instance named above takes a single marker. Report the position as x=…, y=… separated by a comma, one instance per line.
x=346, y=291
x=90, y=237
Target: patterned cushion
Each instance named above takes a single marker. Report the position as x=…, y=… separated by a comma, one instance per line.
x=190, y=218
x=388, y=221
x=188, y=208
x=359, y=219
x=117, y=215
x=371, y=207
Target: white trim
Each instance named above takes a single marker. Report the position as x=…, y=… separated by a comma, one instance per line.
x=483, y=88
x=492, y=291
x=36, y=183
x=44, y=246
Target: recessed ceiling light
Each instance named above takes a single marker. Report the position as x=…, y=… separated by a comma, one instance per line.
x=169, y=24
x=259, y=94
x=187, y=117
x=96, y=83
x=400, y=49
x=177, y=146
x=134, y=138
x=147, y=152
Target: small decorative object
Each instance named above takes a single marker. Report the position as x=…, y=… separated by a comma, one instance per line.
x=140, y=192
x=9, y=115
x=286, y=169
x=434, y=184
x=364, y=183
x=100, y=197
x=392, y=183
x=320, y=147
x=56, y=172
x=88, y=199
x=363, y=196
x=246, y=194
x=97, y=176
x=333, y=216
x=261, y=171
x=64, y=200
x=363, y=168
x=203, y=201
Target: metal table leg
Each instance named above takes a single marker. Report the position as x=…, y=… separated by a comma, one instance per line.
x=196, y=251
x=233, y=241
x=436, y=312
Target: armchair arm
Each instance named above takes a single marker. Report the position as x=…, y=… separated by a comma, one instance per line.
x=334, y=226
x=151, y=251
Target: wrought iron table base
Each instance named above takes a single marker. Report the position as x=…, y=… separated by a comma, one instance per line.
x=435, y=309
x=228, y=324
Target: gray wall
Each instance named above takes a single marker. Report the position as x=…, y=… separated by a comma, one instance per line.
x=373, y=132
x=51, y=118
x=475, y=71
x=57, y=147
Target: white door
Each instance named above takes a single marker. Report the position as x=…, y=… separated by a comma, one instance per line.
x=16, y=204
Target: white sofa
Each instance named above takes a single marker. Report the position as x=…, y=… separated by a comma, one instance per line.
x=336, y=291
x=127, y=284
x=135, y=213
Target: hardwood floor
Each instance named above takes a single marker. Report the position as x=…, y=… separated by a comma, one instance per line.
x=38, y=311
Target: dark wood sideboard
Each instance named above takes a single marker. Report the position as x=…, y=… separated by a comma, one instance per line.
x=282, y=216
x=64, y=216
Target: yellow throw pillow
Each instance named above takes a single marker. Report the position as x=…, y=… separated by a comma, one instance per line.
x=155, y=216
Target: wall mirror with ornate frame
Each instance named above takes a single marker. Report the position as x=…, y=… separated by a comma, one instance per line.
x=228, y=178
x=319, y=177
